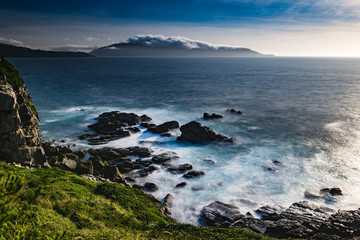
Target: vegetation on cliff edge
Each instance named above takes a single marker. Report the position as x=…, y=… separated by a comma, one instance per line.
x=56, y=204
x=12, y=75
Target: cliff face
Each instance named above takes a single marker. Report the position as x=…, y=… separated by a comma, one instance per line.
x=20, y=138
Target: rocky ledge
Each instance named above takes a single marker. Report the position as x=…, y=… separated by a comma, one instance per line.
x=300, y=220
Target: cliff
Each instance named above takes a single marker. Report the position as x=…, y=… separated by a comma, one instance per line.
x=20, y=138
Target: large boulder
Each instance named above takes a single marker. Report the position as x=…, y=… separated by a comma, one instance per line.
x=113, y=122
x=193, y=132
x=165, y=127
x=220, y=214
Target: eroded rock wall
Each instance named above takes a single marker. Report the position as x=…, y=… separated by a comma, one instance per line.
x=20, y=137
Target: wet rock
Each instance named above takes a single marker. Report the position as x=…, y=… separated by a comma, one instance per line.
x=142, y=173
x=193, y=132
x=219, y=214
x=84, y=167
x=276, y=162
x=234, y=111
x=144, y=163
x=133, y=129
x=80, y=153
x=151, y=187
x=165, y=127
x=181, y=185
x=331, y=191
x=311, y=195
x=145, y=118
x=64, y=149
x=72, y=156
x=87, y=136
x=139, y=151
x=180, y=168
x=152, y=168
x=207, y=116
x=169, y=200
x=111, y=122
x=197, y=188
x=161, y=158
x=270, y=169
x=209, y=161
x=270, y=212
x=167, y=134
x=125, y=165
x=194, y=173
x=107, y=138
x=105, y=153
x=147, y=125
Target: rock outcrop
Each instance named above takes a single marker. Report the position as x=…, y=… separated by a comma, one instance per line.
x=193, y=132
x=20, y=138
x=300, y=220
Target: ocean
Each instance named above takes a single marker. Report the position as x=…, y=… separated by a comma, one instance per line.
x=299, y=130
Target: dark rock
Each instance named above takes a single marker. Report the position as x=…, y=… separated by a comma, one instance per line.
x=98, y=164
x=169, y=200
x=180, y=168
x=111, y=122
x=209, y=161
x=193, y=132
x=181, y=185
x=331, y=191
x=107, y=138
x=251, y=223
x=207, y=116
x=270, y=212
x=234, y=111
x=159, y=159
x=197, y=188
x=151, y=187
x=87, y=136
x=84, y=167
x=125, y=165
x=311, y=195
x=139, y=151
x=193, y=173
x=167, y=134
x=270, y=169
x=276, y=162
x=81, y=154
x=112, y=173
x=105, y=153
x=133, y=129
x=219, y=214
x=145, y=118
x=143, y=173
x=147, y=125
x=72, y=156
x=64, y=150
x=165, y=127
x=152, y=168
x=144, y=163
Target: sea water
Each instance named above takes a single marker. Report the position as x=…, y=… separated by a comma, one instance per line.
x=299, y=130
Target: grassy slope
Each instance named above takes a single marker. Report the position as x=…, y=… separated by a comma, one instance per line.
x=55, y=204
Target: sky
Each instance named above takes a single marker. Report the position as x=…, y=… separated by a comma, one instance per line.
x=283, y=28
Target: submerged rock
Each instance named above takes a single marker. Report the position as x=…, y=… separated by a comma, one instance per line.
x=193, y=132
x=234, y=111
x=331, y=191
x=181, y=185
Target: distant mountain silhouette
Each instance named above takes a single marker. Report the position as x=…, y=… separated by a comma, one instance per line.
x=149, y=45
x=8, y=50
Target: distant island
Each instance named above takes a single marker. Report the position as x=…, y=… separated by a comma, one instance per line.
x=8, y=50
x=161, y=46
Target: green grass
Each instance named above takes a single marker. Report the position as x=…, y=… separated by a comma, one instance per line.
x=32, y=107
x=55, y=204
x=12, y=75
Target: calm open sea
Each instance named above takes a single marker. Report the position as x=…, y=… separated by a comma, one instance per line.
x=302, y=112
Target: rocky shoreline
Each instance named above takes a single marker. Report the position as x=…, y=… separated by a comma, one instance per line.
x=300, y=220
